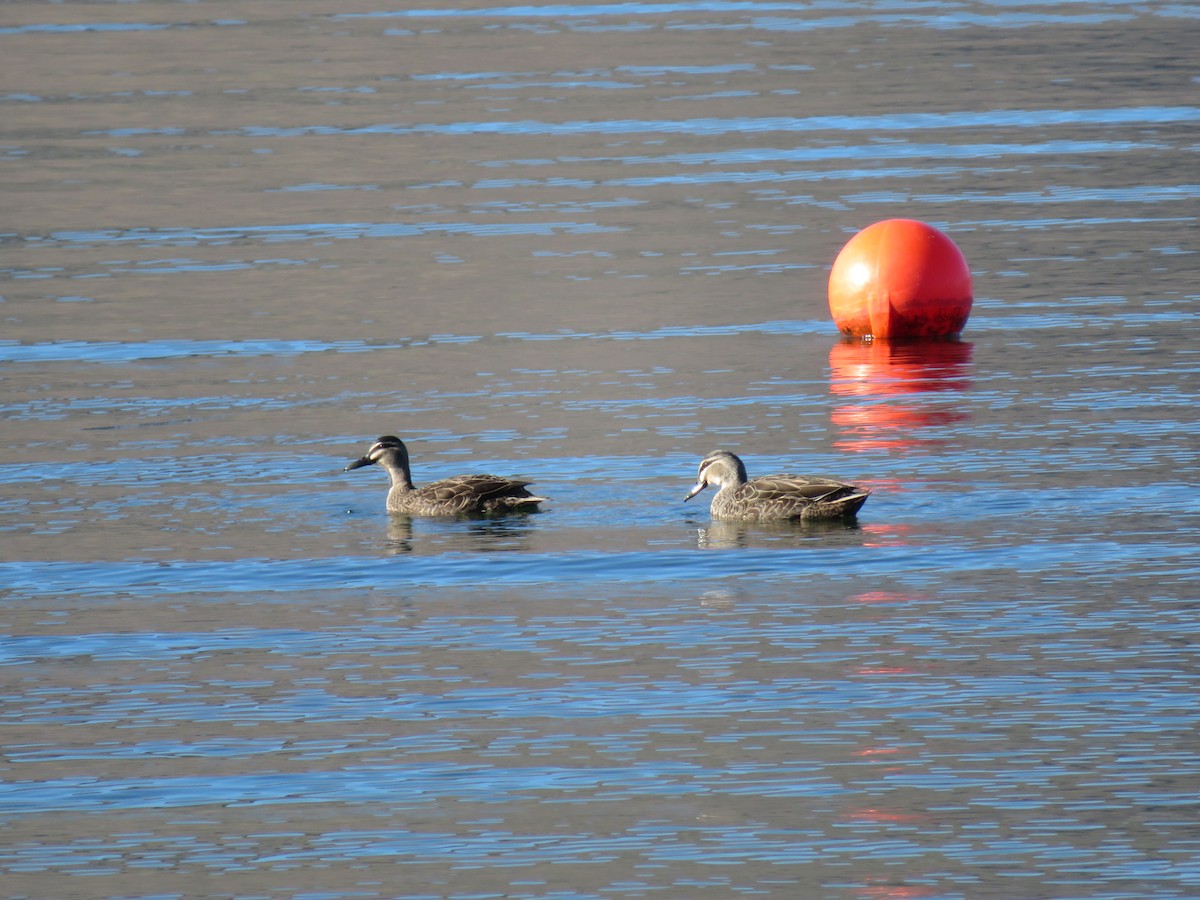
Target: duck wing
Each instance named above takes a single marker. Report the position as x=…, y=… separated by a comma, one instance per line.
x=468, y=493
x=799, y=489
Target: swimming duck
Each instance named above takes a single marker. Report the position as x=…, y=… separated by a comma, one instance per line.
x=803, y=497
x=448, y=497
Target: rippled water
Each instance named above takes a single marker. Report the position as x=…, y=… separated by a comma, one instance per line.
x=584, y=244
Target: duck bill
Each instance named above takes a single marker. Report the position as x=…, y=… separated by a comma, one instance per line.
x=359, y=463
x=694, y=491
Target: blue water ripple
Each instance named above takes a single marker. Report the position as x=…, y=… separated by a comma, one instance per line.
x=1012, y=118
x=164, y=579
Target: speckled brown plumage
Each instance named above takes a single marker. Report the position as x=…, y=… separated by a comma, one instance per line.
x=805, y=497
x=448, y=497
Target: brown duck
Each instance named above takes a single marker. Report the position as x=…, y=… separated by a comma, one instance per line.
x=803, y=497
x=448, y=497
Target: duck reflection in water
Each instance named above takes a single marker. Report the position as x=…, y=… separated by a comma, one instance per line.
x=477, y=533
x=728, y=534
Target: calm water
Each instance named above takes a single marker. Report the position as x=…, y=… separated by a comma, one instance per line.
x=585, y=244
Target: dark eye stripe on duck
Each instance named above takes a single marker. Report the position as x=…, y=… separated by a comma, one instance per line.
x=719, y=459
x=387, y=442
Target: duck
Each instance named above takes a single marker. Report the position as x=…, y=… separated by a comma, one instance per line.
x=774, y=497
x=462, y=494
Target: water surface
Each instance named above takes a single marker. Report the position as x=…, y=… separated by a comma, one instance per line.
x=585, y=244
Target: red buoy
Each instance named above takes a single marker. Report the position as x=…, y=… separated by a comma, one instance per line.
x=900, y=278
